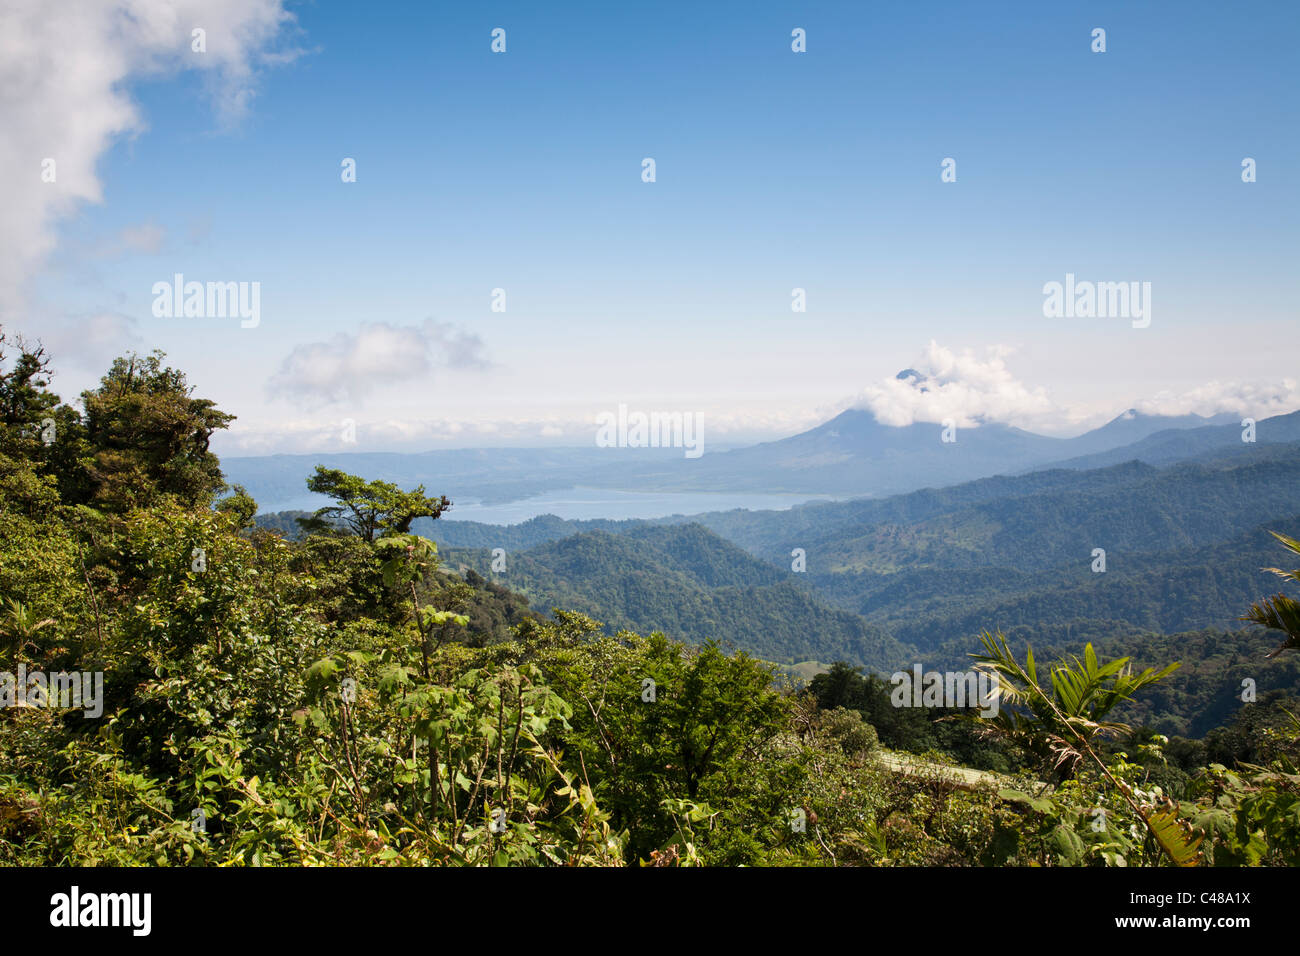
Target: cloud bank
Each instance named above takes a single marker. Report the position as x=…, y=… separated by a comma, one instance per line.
x=1257, y=399
x=350, y=367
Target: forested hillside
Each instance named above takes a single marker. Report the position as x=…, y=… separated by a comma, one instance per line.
x=689, y=584
x=1184, y=548
x=183, y=687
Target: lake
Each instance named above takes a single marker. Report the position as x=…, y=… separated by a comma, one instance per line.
x=581, y=503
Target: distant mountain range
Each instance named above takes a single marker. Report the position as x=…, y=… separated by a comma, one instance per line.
x=1182, y=443
x=852, y=455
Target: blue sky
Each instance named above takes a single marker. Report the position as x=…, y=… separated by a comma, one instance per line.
x=775, y=170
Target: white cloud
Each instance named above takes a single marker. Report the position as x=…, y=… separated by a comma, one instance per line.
x=350, y=367
x=970, y=389
x=966, y=388
x=1257, y=399
x=65, y=68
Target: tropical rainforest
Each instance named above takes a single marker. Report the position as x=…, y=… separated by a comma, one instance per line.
x=355, y=687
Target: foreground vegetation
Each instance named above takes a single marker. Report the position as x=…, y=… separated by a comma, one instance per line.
x=344, y=699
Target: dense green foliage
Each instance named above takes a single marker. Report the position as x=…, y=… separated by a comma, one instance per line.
x=345, y=698
x=923, y=574
x=690, y=584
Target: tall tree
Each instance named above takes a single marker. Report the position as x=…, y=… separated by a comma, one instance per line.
x=148, y=437
x=369, y=508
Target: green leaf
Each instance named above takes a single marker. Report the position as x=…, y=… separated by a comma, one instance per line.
x=1041, y=804
x=1178, y=845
